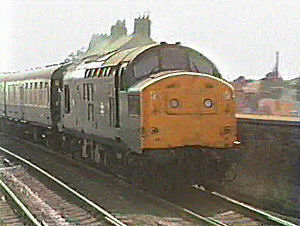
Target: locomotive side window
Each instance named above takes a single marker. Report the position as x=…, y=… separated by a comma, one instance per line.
x=146, y=65
x=133, y=105
x=88, y=92
x=91, y=112
x=84, y=91
x=92, y=91
x=67, y=99
x=172, y=58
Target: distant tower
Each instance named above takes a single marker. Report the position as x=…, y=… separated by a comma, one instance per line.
x=142, y=26
x=275, y=71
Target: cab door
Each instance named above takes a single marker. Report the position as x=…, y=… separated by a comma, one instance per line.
x=114, y=101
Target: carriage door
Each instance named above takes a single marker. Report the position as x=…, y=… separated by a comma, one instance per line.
x=5, y=101
x=21, y=106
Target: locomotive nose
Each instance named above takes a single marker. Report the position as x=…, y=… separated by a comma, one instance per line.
x=188, y=109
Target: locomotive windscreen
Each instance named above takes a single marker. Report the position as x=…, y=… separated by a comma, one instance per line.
x=173, y=58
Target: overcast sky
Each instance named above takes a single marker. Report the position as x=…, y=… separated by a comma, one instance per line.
x=239, y=36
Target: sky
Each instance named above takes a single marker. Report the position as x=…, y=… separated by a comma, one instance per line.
x=239, y=36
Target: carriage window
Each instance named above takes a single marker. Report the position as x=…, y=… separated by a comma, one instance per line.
x=14, y=91
x=41, y=85
x=46, y=84
x=134, y=105
x=67, y=99
x=35, y=85
x=173, y=58
x=146, y=65
x=31, y=85
x=26, y=85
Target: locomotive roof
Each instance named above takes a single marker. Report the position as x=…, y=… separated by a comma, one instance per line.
x=116, y=57
x=139, y=86
x=110, y=59
x=41, y=73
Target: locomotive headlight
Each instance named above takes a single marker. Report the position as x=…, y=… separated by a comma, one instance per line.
x=227, y=95
x=174, y=103
x=207, y=103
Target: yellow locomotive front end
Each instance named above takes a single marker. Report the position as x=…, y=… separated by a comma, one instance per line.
x=187, y=109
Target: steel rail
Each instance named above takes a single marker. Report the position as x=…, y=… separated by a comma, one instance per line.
x=206, y=219
x=199, y=217
x=20, y=204
x=113, y=220
x=255, y=210
x=270, y=217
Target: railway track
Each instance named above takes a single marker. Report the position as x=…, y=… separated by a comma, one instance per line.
x=228, y=217
x=243, y=214
x=196, y=219
x=187, y=218
x=9, y=215
x=45, y=206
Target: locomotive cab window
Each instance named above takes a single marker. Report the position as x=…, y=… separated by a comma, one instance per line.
x=134, y=105
x=146, y=65
x=199, y=63
x=67, y=99
x=173, y=58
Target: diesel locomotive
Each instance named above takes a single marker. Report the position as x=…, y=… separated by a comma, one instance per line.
x=161, y=112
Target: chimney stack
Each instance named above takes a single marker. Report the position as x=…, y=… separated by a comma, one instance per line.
x=142, y=26
x=118, y=30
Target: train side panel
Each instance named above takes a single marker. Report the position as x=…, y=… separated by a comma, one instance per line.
x=88, y=107
x=2, y=99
